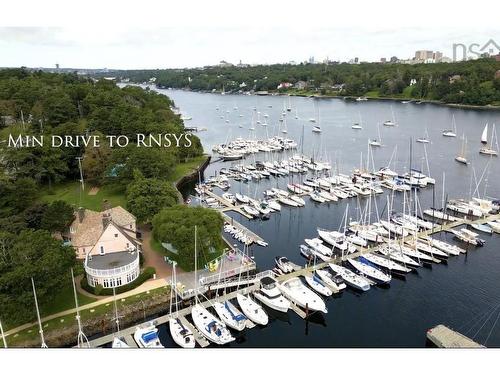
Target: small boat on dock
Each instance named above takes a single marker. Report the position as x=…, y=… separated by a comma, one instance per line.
x=228, y=314
x=181, y=335
x=495, y=226
x=386, y=264
x=284, y=264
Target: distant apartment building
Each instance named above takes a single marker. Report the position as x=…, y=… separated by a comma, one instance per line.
x=225, y=64
x=426, y=56
x=383, y=60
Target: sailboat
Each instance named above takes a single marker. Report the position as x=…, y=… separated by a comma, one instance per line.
x=461, y=157
x=390, y=122
x=425, y=138
x=181, y=334
x=118, y=342
x=488, y=149
x=451, y=132
x=209, y=326
x=376, y=142
x=357, y=125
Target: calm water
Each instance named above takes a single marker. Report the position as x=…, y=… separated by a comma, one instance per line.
x=462, y=294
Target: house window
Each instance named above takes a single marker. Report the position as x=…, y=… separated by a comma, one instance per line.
x=130, y=226
x=102, y=250
x=72, y=230
x=116, y=235
x=127, y=245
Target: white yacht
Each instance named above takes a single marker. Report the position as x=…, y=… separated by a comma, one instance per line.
x=317, y=244
x=252, y=310
x=386, y=263
x=302, y=296
x=270, y=295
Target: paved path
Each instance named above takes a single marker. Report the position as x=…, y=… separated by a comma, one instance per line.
x=153, y=258
x=148, y=285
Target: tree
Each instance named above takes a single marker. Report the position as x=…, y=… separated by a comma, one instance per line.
x=147, y=196
x=57, y=217
x=175, y=226
x=33, y=254
x=96, y=161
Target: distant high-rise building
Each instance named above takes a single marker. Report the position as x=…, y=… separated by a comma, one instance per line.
x=57, y=66
x=383, y=60
x=428, y=56
x=311, y=60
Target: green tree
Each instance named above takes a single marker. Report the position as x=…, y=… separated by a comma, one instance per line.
x=147, y=196
x=57, y=217
x=175, y=226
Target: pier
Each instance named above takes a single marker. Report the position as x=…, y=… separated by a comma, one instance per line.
x=440, y=335
x=444, y=337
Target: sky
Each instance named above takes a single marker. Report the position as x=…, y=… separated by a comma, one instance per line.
x=257, y=32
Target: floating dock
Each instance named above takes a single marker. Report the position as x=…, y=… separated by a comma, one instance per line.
x=444, y=337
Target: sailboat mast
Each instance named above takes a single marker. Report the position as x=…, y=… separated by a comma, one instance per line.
x=3, y=336
x=81, y=339
x=43, y=344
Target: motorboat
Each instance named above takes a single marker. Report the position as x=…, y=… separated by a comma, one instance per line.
x=317, y=244
x=468, y=236
x=439, y=214
x=252, y=310
x=335, y=282
x=242, y=198
x=299, y=294
x=482, y=228
x=317, y=285
x=270, y=295
x=210, y=327
x=310, y=253
x=350, y=278
x=181, y=334
x=284, y=264
x=495, y=226
x=229, y=315
x=147, y=337
x=368, y=270
x=229, y=197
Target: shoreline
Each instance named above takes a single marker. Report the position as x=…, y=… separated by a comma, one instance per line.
x=189, y=177
x=488, y=107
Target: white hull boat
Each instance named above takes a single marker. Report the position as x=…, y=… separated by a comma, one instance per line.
x=370, y=272
x=210, y=327
x=147, y=337
x=228, y=314
x=317, y=285
x=350, y=278
x=331, y=280
x=270, y=295
x=252, y=310
x=181, y=334
x=302, y=296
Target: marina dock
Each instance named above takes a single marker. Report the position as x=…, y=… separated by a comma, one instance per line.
x=440, y=335
x=444, y=337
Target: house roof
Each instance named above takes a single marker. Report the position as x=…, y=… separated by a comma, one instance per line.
x=88, y=231
x=112, y=260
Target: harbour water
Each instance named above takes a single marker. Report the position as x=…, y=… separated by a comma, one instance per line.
x=462, y=294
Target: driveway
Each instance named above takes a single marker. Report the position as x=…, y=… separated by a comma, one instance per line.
x=153, y=258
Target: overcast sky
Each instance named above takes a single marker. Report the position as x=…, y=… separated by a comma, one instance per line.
x=97, y=34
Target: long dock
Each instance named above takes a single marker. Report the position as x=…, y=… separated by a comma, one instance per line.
x=227, y=206
x=444, y=337
x=440, y=335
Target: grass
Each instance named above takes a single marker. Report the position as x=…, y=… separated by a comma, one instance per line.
x=64, y=301
x=184, y=169
x=68, y=320
x=70, y=193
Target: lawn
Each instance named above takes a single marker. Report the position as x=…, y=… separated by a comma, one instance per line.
x=68, y=320
x=70, y=193
x=65, y=300
x=185, y=168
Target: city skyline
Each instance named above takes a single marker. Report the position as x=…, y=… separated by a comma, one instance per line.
x=151, y=48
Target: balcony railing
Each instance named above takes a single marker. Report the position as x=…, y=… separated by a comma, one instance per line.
x=113, y=271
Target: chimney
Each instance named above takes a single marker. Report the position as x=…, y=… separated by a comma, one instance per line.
x=106, y=218
x=81, y=214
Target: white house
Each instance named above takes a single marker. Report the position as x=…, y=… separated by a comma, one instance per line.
x=108, y=244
